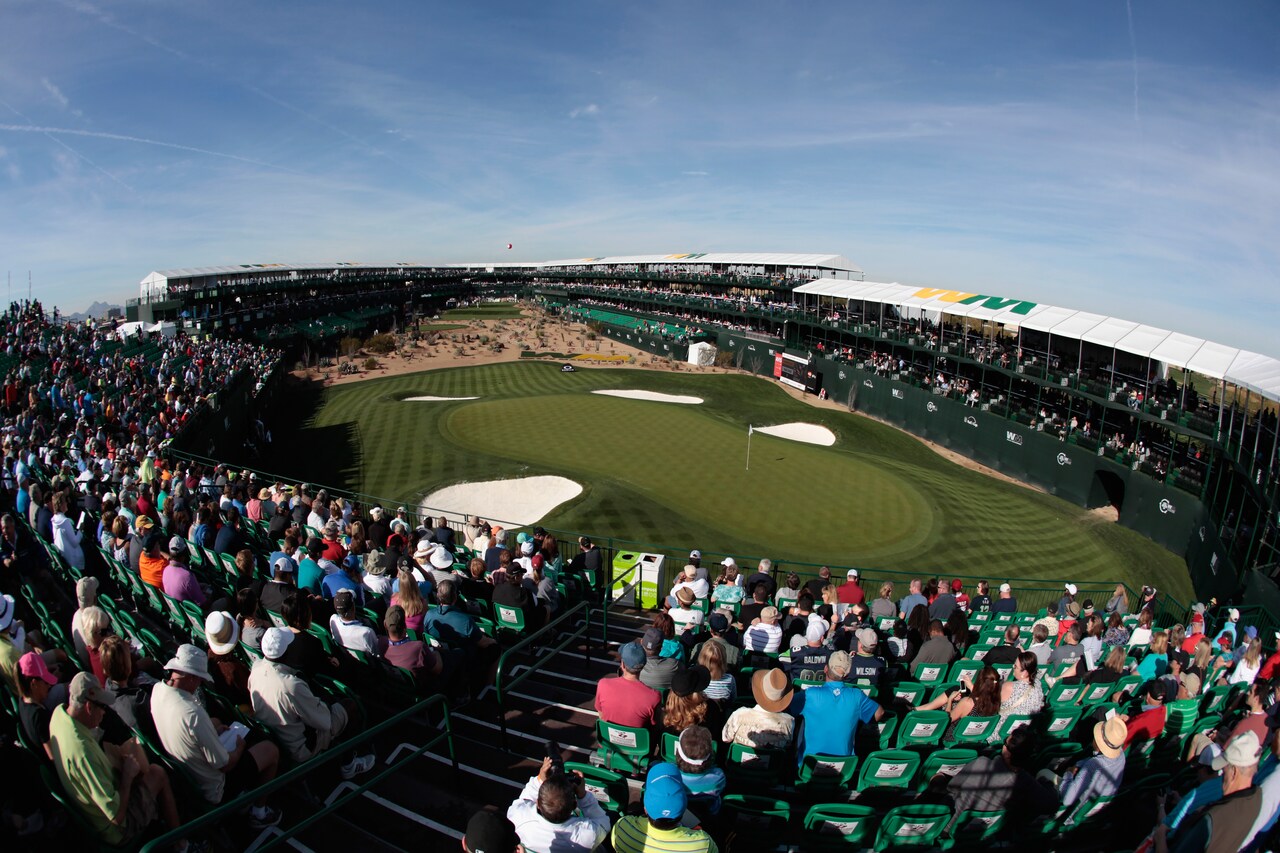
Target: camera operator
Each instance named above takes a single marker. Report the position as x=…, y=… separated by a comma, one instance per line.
x=556, y=812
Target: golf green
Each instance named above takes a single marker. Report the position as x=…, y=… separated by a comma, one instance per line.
x=665, y=474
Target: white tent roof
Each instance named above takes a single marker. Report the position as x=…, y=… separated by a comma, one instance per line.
x=1251, y=370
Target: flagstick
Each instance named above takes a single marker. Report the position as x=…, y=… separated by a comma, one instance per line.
x=750, y=430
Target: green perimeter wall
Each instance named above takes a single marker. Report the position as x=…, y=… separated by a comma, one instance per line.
x=654, y=344
x=1171, y=517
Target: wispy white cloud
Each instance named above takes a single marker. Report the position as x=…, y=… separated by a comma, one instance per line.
x=588, y=110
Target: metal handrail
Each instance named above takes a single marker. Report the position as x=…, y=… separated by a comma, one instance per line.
x=335, y=752
x=584, y=631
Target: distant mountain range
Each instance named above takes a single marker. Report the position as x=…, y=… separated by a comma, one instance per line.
x=96, y=311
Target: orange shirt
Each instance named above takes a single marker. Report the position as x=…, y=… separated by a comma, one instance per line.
x=152, y=570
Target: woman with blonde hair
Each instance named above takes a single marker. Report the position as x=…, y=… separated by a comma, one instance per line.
x=410, y=598
x=1156, y=661
x=722, y=687
x=1118, y=602
x=1142, y=633
x=884, y=606
x=1247, y=669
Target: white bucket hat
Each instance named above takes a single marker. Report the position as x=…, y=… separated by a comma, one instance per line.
x=192, y=661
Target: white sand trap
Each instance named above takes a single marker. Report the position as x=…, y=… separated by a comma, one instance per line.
x=521, y=501
x=808, y=433
x=652, y=396
x=435, y=399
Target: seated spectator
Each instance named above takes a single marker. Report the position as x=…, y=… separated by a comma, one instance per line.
x=377, y=581
x=975, y=697
x=728, y=590
x=178, y=581
x=284, y=703
x=884, y=606
x=514, y=594
x=913, y=599
x=1118, y=602
x=832, y=712
x=937, y=649
x=253, y=623
x=1148, y=723
x=962, y=598
x=305, y=652
x=1156, y=661
x=689, y=580
x=151, y=560
x=1008, y=650
x=1001, y=782
x=408, y=597
x=957, y=630
x=348, y=577
x=750, y=612
x=1069, y=651
x=489, y=832
x=1141, y=634
x=281, y=585
x=1115, y=634
x=347, y=629
x=981, y=600
x=1250, y=662
x=865, y=666
x=1006, y=603
x=474, y=586
x=34, y=681
x=1020, y=694
x=1229, y=822
x=625, y=700
x=686, y=705
x=1099, y=776
x=685, y=617
x=544, y=587
x=787, y=595
x=221, y=766
x=696, y=758
x=721, y=633
x=86, y=596
x=661, y=827
x=229, y=673
x=1041, y=646
x=555, y=811
x=764, y=635
x=943, y=605
x=118, y=803
x=416, y=656
x=658, y=670
x=722, y=687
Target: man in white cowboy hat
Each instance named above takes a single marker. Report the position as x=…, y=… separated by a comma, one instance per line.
x=218, y=758
x=284, y=703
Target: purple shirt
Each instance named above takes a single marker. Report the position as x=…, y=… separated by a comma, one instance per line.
x=181, y=584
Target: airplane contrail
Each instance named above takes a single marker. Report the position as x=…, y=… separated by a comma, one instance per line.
x=120, y=137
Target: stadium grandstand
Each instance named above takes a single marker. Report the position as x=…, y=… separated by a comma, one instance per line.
x=199, y=654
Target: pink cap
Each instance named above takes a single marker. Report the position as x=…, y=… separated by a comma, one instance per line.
x=32, y=666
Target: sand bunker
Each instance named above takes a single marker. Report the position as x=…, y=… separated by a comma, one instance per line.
x=435, y=399
x=652, y=396
x=522, y=501
x=808, y=433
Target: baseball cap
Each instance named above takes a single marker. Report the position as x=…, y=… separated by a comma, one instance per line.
x=275, y=641
x=490, y=832
x=695, y=554
x=1191, y=681
x=633, y=657
x=7, y=608
x=852, y=573
x=178, y=545
x=282, y=564
x=1242, y=751
x=1004, y=587
x=718, y=622
x=652, y=639
x=1233, y=614
x=814, y=633
x=395, y=619
x=32, y=665
x=665, y=796
x=85, y=689
x=769, y=614
x=351, y=561
x=143, y=522
x=1071, y=588
x=1251, y=632
x=957, y=585
x=867, y=639
x=839, y=663
x=728, y=561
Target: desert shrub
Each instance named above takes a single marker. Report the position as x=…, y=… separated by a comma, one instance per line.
x=381, y=344
x=370, y=363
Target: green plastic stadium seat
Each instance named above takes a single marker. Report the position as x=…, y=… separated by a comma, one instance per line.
x=750, y=767
x=974, y=729
x=912, y=827
x=888, y=768
x=763, y=816
x=974, y=830
x=1096, y=693
x=826, y=774
x=1064, y=694
x=964, y=667
x=509, y=618
x=838, y=826
x=922, y=728
x=948, y=762
x=623, y=746
x=1058, y=721
x=929, y=674
x=911, y=691
x=1012, y=722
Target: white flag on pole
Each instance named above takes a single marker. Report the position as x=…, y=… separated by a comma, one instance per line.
x=750, y=430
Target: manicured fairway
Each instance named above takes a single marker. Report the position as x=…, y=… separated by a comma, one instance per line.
x=674, y=475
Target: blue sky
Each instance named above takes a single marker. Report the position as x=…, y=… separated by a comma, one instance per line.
x=1121, y=159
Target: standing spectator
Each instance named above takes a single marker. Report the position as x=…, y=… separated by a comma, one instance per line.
x=850, y=592
x=65, y=536
x=832, y=712
x=544, y=813
x=1118, y=602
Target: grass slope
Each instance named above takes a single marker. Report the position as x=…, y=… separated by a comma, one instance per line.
x=674, y=475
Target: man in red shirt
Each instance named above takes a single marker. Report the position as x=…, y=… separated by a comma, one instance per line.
x=962, y=598
x=625, y=701
x=850, y=592
x=1268, y=670
x=1149, y=723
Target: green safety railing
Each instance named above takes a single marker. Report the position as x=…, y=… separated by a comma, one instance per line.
x=581, y=630
x=337, y=751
